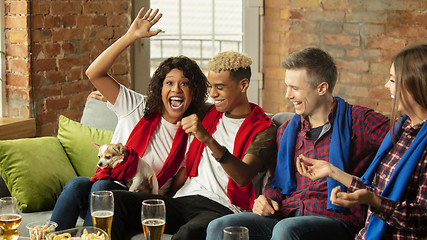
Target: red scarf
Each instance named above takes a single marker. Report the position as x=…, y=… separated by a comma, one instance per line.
x=255, y=123
x=140, y=137
x=122, y=171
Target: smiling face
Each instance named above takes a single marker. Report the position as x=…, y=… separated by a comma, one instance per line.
x=176, y=95
x=229, y=95
x=304, y=97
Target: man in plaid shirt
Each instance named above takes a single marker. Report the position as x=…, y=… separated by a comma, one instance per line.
x=324, y=127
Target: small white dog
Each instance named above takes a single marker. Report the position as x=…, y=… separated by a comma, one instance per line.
x=145, y=179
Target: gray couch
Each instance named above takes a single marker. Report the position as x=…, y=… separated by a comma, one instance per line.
x=94, y=109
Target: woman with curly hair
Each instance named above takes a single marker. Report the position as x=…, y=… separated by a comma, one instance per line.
x=147, y=125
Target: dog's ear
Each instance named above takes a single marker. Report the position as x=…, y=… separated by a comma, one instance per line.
x=95, y=145
x=121, y=148
x=150, y=181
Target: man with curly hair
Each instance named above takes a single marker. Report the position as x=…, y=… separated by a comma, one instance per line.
x=233, y=144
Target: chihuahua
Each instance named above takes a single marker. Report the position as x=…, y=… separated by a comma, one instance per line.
x=145, y=179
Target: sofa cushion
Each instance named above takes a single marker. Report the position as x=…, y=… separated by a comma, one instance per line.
x=35, y=171
x=76, y=139
x=91, y=115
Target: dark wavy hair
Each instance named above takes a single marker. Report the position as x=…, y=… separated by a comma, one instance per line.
x=198, y=84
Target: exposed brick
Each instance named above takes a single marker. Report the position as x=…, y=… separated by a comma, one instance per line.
x=17, y=80
x=17, y=50
x=15, y=22
x=83, y=21
x=65, y=8
x=352, y=28
x=44, y=65
x=343, y=40
x=332, y=27
x=18, y=36
x=355, y=52
x=97, y=8
x=51, y=22
x=54, y=77
x=366, y=17
x=304, y=39
x=18, y=7
x=68, y=47
x=118, y=20
x=37, y=21
x=42, y=35
x=68, y=21
x=70, y=62
x=358, y=65
x=385, y=43
x=66, y=34
x=305, y=4
x=18, y=65
x=57, y=103
x=120, y=68
x=304, y=27
x=40, y=8
x=99, y=21
x=51, y=49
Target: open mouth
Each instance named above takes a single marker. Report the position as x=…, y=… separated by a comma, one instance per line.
x=176, y=102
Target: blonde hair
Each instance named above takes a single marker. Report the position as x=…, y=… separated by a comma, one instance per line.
x=229, y=61
x=238, y=64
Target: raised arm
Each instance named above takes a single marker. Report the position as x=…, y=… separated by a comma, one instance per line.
x=98, y=70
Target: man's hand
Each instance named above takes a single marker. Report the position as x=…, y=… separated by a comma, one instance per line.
x=265, y=206
x=193, y=126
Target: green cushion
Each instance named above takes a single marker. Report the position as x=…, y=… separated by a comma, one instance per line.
x=35, y=171
x=76, y=139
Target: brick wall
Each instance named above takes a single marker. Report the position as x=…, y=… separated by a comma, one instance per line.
x=63, y=38
x=361, y=35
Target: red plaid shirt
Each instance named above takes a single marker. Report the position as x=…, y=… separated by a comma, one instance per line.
x=407, y=218
x=310, y=197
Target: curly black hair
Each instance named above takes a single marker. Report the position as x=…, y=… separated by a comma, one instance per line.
x=198, y=84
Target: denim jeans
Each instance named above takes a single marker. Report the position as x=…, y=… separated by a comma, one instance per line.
x=74, y=201
x=290, y=228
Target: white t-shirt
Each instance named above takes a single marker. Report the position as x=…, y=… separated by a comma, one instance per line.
x=129, y=108
x=212, y=180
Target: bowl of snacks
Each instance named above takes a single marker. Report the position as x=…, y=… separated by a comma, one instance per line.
x=79, y=233
x=38, y=230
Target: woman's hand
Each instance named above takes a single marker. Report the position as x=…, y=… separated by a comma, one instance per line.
x=313, y=169
x=141, y=26
x=361, y=196
x=264, y=206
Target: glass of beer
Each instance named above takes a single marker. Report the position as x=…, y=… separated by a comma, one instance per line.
x=153, y=216
x=10, y=218
x=102, y=210
x=236, y=233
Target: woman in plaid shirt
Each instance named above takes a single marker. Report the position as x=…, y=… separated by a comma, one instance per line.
x=395, y=185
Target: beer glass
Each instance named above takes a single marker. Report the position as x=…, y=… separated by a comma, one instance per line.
x=10, y=218
x=102, y=210
x=236, y=233
x=153, y=216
